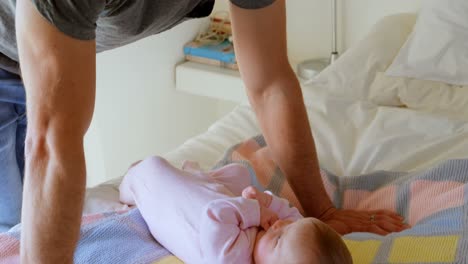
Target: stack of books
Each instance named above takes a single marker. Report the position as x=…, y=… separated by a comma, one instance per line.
x=213, y=47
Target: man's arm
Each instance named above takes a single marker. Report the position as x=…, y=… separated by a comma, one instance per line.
x=275, y=95
x=59, y=76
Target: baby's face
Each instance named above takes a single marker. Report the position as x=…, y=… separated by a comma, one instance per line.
x=276, y=242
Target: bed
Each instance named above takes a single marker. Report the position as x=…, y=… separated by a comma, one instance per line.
x=356, y=131
x=362, y=122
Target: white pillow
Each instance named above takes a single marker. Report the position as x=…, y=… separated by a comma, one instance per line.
x=437, y=49
x=351, y=76
x=423, y=95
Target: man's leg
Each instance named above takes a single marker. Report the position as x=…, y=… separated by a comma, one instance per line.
x=12, y=125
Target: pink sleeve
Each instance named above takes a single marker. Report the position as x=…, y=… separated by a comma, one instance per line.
x=281, y=207
x=225, y=234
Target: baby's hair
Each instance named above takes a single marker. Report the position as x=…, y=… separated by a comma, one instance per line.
x=332, y=247
x=317, y=243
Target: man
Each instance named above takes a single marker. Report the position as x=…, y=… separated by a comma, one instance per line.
x=56, y=44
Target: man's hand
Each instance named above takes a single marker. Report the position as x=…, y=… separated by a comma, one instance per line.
x=381, y=222
x=253, y=193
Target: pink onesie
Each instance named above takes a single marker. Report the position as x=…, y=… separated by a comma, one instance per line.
x=199, y=216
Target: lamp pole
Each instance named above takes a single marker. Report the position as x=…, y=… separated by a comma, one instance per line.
x=334, y=54
x=310, y=68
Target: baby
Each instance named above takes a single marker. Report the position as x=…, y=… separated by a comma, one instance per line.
x=217, y=217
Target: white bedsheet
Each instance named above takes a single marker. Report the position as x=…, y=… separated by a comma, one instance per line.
x=353, y=136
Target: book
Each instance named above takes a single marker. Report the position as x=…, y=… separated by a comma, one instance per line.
x=212, y=62
x=221, y=54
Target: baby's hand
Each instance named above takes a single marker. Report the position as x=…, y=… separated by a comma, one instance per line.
x=263, y=199
x=267, y=217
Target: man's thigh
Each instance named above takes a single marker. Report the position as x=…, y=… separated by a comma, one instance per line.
x=12, y=124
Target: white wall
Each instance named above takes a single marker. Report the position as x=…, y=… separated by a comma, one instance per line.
x=309, y=22
x=138, y=112
x=360, y=15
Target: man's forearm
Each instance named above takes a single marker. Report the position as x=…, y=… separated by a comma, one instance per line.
x=281, y=112
x=274, y=92
x=52, y=204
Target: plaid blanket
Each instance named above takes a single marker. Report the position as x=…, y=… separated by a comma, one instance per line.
x=114, y=237
x=434, y=202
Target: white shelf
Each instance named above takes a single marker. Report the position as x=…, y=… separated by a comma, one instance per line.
x=210, y=81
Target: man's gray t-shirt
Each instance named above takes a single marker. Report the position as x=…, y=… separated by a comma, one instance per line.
x=112, y=23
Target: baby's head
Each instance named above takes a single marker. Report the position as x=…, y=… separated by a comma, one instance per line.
x=305, y=241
